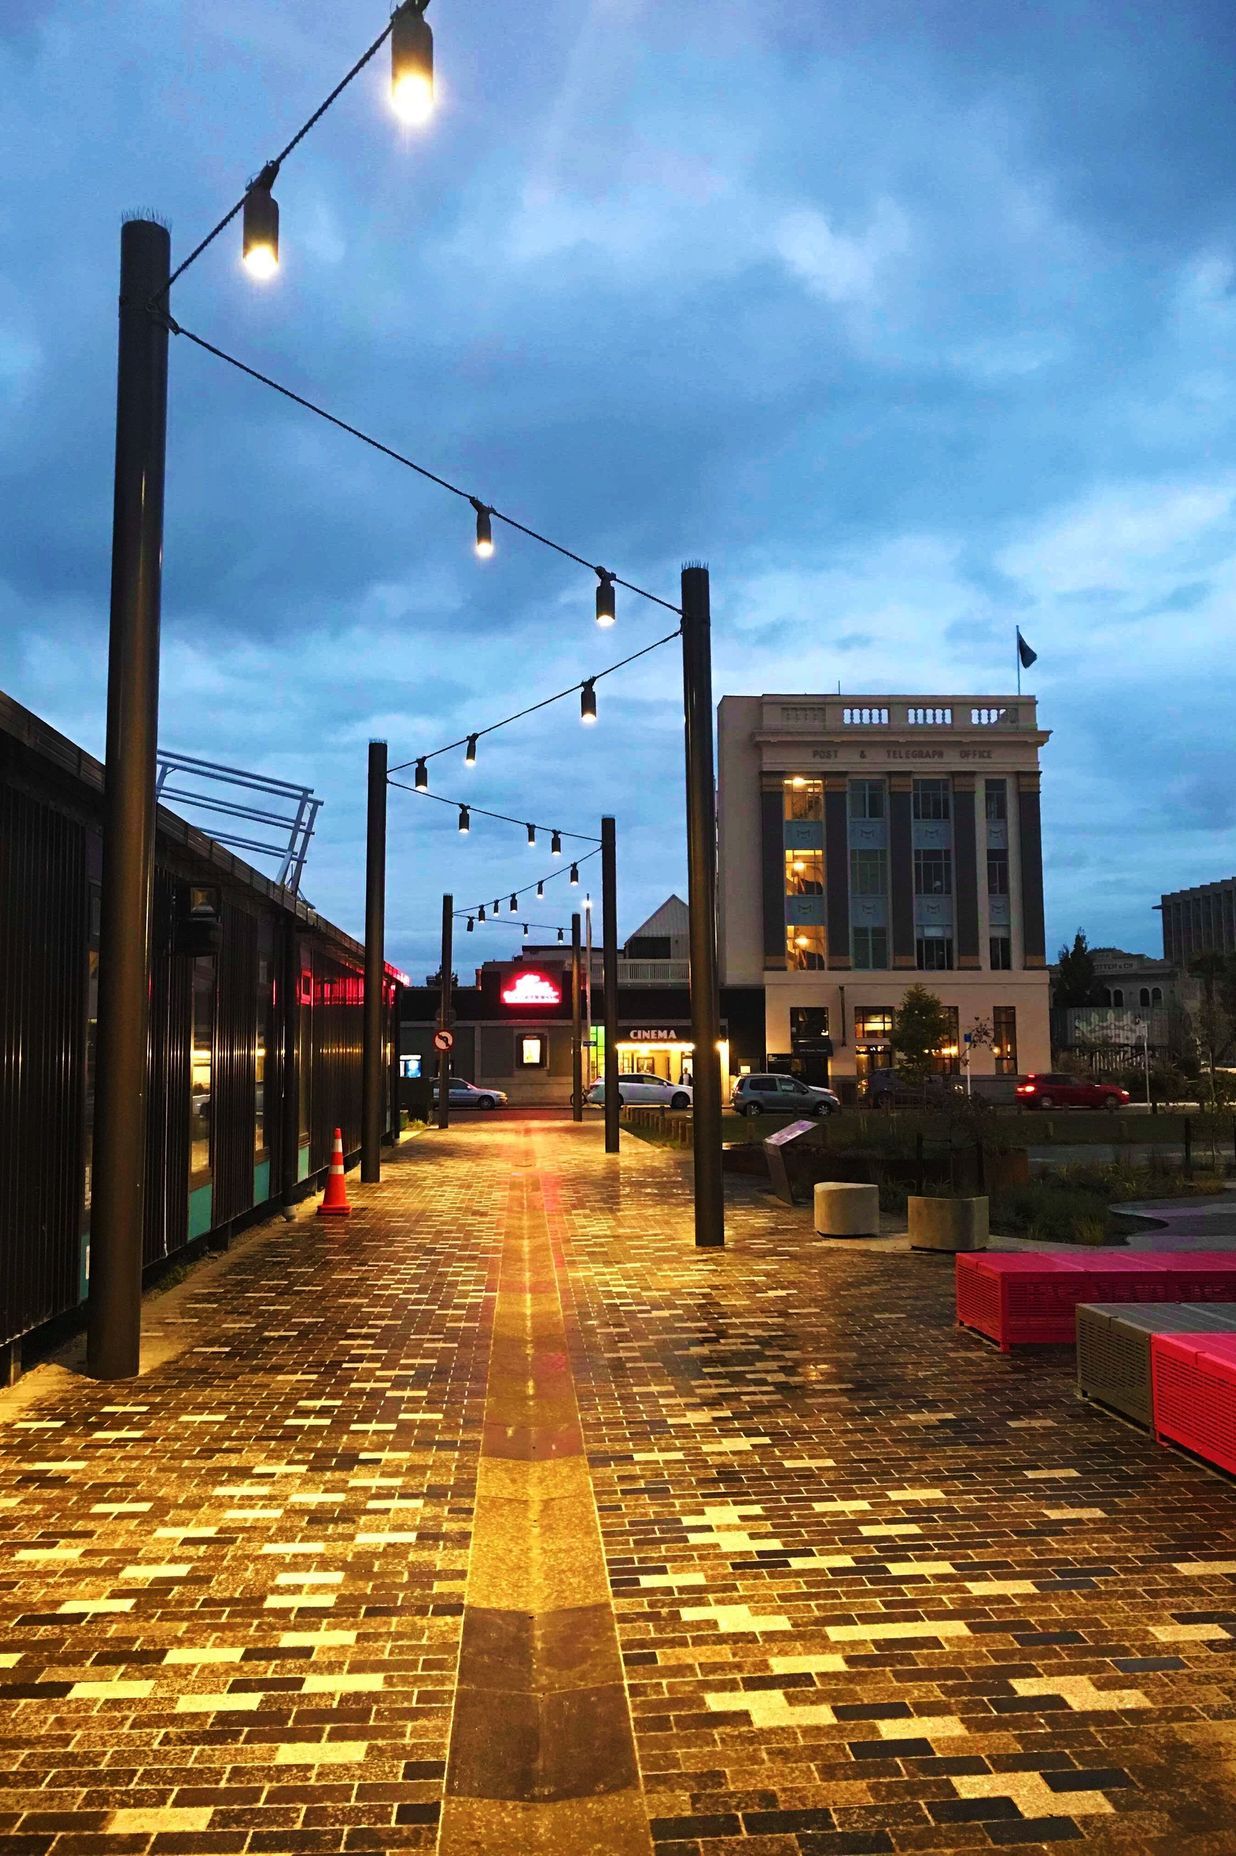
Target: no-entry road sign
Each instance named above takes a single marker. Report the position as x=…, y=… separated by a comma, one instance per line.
x=444, y=1040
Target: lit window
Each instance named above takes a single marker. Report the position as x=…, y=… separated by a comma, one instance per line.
x=804, y=873
x=804, y=799
x=532, y=1052
x=804, y=945
x=1004, y=1039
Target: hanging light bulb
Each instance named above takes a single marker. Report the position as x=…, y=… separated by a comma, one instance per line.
x=525, y=931
x=480, y=914
x=484, y=529
x=532, y=834
x=540, y=889
x=555, y=845
x=470, y=752
x=497, y=905
x=574, y=876
x=260, y=235
x=588, y=700
x=606, y=610
x=514, y=905
x=561, y=935
x=465, y=820
x=411, y=64
x=422, y=777
x=471, y=925
x=587, y=902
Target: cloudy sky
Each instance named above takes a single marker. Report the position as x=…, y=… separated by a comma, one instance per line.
x=915, y=318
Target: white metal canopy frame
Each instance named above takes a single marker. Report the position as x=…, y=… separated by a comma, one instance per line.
x=295, y=826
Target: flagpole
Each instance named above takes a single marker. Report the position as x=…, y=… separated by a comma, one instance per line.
x=1017, y=655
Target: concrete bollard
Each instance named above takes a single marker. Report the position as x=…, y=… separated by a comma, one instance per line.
x=947, y=1224
x=846, y=1209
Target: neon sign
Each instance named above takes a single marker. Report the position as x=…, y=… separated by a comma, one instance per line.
x=532, y=989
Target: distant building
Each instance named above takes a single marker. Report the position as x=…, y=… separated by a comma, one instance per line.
x=1142, y=1002
x=869, y=842
x=1199, y=921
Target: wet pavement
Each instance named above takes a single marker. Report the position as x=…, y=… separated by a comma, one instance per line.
x=500, y=1519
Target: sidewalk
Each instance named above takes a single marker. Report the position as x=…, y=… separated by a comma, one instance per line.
x=498, y=1518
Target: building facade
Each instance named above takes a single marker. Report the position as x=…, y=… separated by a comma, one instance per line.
x=870, y=842
x=1199, y=921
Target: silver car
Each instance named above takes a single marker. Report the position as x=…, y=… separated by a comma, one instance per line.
x=782, y=1095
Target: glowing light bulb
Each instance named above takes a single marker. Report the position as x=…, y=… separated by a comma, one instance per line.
x=411, y=66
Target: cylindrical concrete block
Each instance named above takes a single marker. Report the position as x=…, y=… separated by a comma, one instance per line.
x=843, y=1209
x=947, y=1224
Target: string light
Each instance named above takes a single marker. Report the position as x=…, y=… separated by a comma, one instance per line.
x=422, y=777
x=574, y=876
x=465, y=820
x=484, y=529
x=496, y=905
x=471, y=925
x=540, y=890
x=504, y=818
x=532, y=834
x=514, y=905
x=470, y=752
x=587, y=902
x=411, y=64
x=606, y=609
x=494, y=908
x=588, y=701
x=480, y=914
x=260, y=225
x=555, y=845
x=561, y=935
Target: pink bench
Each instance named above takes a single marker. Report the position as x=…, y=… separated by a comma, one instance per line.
x=1193, y=1378
x=1028, y=1297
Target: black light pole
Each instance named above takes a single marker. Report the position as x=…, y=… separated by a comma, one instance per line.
x=375, y=912
x=609, y=970
x=119, y=1160
x=702, y=899
x=577, y=1047
x=444, y=1015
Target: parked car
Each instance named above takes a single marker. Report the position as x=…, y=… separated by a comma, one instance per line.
x=636, y=1089
x=890, y=1089
x=782, y=1095
x=462, y=1094
x=1056, y=1091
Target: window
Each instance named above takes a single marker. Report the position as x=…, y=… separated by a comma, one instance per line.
x=997, y=801
x=804, y=945
x=946, y=1058
x=868, y=873
x=531, y=1052
x=1156, y=995
x=410, y=1067
x=869, y=948
x=649, y=947
x=262, y=1034
x=1117, y=995
x=866, y=799
x=1001, y=949
x=804, y=873
x=933, y=873
x=997, y=873
x=203, y=1028
x=934, y=950
x=808, y=1026
x=304, y=1053
x=1004, y=1039
x=804, y=799
x=931, y=799
x=1143, y=997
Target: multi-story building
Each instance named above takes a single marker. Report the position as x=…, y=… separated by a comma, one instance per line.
x=868, y=842
x=1199, y=921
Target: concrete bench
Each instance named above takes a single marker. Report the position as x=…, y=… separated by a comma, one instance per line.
x=1113, y=1347
x=845, y=1209
x=1029, y=1297
x=947, y=1224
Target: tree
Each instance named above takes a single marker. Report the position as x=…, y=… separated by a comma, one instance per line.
x=922, y=1025
x=1076, y=980
x=1214, y=1019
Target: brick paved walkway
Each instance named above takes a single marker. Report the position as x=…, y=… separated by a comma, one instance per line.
x=333, y=1576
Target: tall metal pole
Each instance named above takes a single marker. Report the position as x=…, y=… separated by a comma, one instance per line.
x=444, y=1014
x=702, y=899
x=119, y=1161
x=375, y=913
x=577, y=1052
x=609, y=969
x=588, y=1076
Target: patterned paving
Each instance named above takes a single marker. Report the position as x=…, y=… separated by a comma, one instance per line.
x=875, y=1587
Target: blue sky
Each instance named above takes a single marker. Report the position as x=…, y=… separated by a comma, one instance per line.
x=916, y=319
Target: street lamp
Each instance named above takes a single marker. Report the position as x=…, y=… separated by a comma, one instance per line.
x=1142, y=1025
x=412, y=64
x=260, y=225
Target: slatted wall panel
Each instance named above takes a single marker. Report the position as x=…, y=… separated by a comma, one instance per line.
x=43, y=937
x=338, y=999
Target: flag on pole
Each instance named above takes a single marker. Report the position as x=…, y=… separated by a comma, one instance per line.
x=1024, y=653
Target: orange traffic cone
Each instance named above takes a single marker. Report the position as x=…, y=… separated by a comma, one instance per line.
x=335, y=1199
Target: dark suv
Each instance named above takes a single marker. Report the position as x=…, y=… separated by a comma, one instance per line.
x=889, y=1089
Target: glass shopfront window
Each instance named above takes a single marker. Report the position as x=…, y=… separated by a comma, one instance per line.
x=873, y=1042
x=200, y=1064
